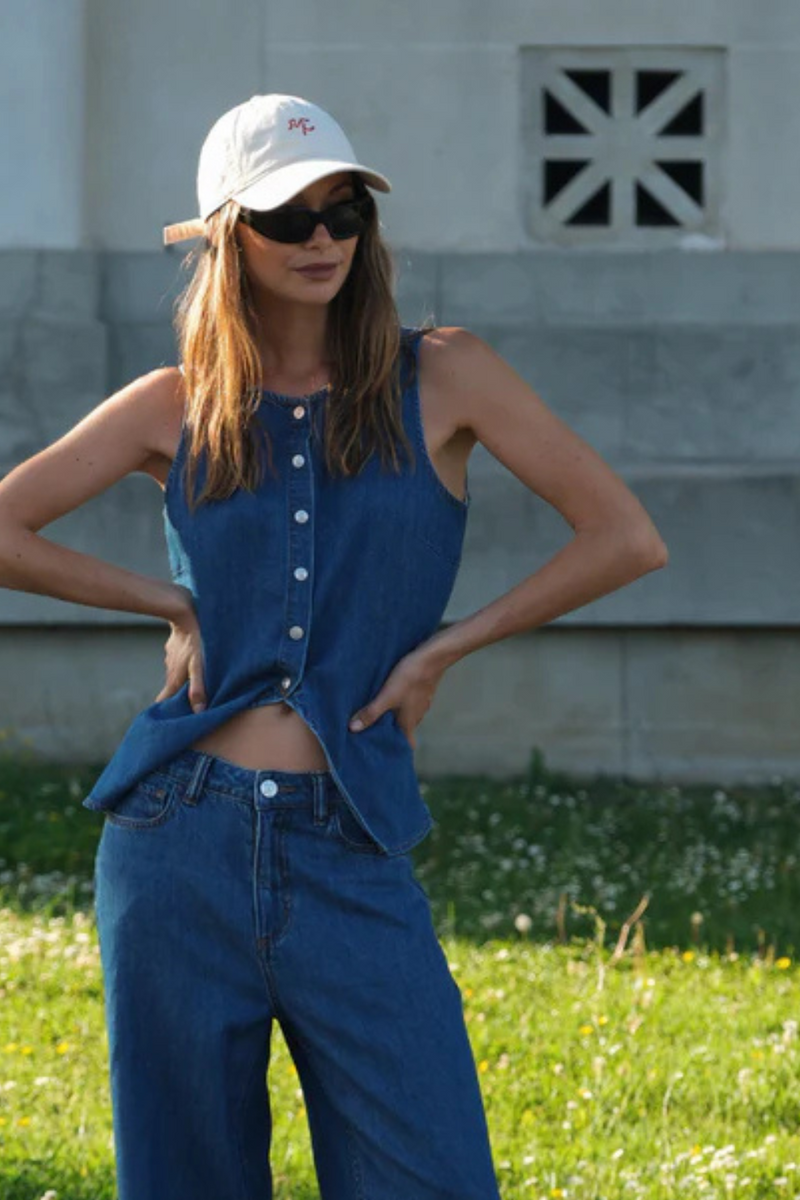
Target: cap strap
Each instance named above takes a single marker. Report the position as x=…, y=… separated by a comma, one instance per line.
x=183, y=230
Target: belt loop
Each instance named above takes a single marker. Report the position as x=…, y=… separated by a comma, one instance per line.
x=320, y=798
x=198, y=778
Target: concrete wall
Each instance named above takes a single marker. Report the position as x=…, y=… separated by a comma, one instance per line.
x=429, y=93
x=679, y=364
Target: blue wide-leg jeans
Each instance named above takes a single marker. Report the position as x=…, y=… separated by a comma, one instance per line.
x=226, y=898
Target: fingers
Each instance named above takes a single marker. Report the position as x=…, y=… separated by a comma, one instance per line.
x=370, y=713
x=178, y=674
x=196, y=693
x=366, y=716
x=169, y=689
x=197, y=688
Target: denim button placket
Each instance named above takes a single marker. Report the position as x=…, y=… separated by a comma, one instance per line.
x=301, y=536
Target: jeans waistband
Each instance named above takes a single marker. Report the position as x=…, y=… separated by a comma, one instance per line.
x=263, y=786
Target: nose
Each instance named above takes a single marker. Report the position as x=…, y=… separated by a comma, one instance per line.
x=320, y=234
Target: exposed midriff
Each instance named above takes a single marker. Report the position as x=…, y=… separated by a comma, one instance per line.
x=271, y=735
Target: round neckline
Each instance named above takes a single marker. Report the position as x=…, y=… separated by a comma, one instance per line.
x=286, y=398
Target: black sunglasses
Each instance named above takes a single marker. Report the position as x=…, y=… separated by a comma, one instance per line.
x=345, y=219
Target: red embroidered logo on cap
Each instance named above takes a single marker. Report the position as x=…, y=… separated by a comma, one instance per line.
x=301, y=123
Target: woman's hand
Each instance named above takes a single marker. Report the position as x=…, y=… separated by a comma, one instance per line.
x=183, y=656
x=409, y=689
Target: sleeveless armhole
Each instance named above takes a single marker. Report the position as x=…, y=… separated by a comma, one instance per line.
x=174, y=468
x=419, y=428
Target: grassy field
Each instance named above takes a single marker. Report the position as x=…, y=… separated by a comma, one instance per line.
x=627, y=960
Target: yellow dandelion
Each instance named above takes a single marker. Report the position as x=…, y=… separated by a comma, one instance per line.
x=688, y=955
x=24, y=1121
x=62, y=1047
x=3, y=1120
x=468, y=992
x=483, y=1065
x=10, y=1047
x=556, y=1191
x=602, y=1020
x=783, y=963
x=586, y=1029
x=26, y=1049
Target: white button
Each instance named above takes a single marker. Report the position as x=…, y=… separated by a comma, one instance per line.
x=286, y=683
x=300, y=573
x=298, y=460
x=301, y=516
x=299, y=411
x=296, y=632
x=268, y=787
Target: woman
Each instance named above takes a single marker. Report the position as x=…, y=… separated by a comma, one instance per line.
x=258, y=816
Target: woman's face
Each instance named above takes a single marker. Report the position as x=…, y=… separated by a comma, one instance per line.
x=273, y=268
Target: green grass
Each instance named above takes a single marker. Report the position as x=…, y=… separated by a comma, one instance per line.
x=626, y=955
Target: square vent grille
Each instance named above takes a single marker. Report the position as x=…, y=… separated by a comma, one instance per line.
x=621, y=145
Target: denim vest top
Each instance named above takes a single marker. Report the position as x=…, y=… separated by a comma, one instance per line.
x=309, y=590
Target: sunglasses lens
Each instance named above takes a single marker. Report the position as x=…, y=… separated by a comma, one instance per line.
x=285, y=226
x=349, y=218
x=344, y=220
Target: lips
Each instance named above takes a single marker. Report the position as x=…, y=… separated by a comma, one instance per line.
x=318, y=270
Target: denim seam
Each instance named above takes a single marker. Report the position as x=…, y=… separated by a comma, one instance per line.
x=250, y=1079
x=353, y=1156
x=283, y=879
x=136, y=823
x=222, y=793
x=372, y=849
x=356, y=1172
x=412, y=841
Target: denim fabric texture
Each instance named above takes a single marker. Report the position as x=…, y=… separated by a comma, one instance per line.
x=309, y=590
x=228, y=898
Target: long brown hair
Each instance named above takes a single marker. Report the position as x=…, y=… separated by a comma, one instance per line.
x=215, y=320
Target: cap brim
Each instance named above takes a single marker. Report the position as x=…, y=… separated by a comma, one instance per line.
x=279, y=186
x=276, y=188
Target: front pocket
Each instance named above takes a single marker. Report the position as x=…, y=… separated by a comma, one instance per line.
x=147, y=804
x=351, y=832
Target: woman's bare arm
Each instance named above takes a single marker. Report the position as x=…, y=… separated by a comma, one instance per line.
x=615, y=539
x=113, y=440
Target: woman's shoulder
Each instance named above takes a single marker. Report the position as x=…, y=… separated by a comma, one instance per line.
x=446, y=354
x=163, y=403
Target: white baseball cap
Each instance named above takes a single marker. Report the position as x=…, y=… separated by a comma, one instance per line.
x=263, y=152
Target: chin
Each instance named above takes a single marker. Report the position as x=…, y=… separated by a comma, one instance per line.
x=319, y=292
